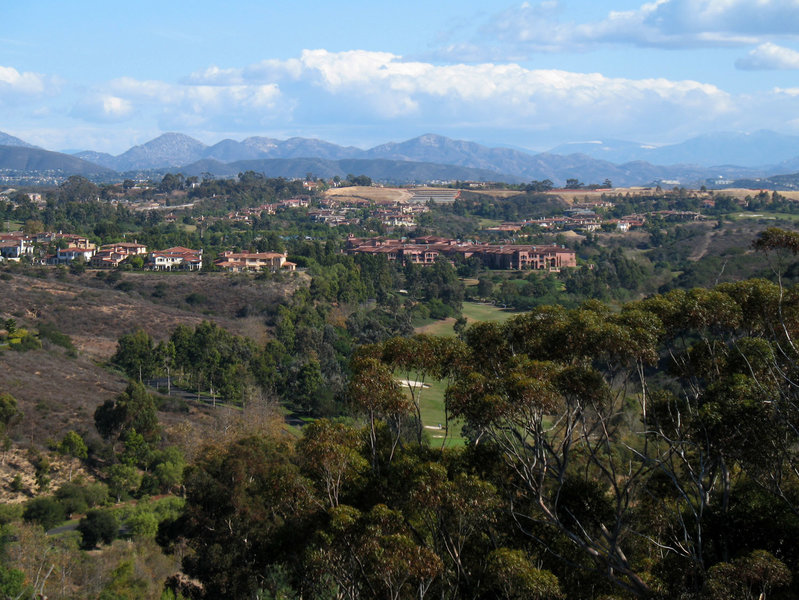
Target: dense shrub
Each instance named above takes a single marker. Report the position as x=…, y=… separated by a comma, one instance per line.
x=98, y=526
x=46, y=511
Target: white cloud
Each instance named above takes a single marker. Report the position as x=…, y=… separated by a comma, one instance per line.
x=179, y=105
x=790, y=92
x=769, y=56
x=17, y=86
x=378, y=95
x=661, y=23
x=213, y=75
x=392, y=87
x=104, y=108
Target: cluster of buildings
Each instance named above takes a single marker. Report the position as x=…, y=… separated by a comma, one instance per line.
x=16, y=245
x=70, y=247
x=582, y=219
x=246, y=215
x=336, y=211
x=426, y=250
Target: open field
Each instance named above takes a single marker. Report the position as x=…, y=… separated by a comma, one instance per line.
x=375, y=194
x=432, y=397
x=767, y=216
x=473, y=311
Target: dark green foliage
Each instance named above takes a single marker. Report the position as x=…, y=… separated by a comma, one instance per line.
x=513, y=576
x=237, y=500
x=135, y=355
x=77, y=498
x=98, y=527
x=749, y=577
x=48, y=331
x=10, y=414
x=133, y=410
x=12, y=583
x=196, y=298
x=10, y=513
x=45, y=511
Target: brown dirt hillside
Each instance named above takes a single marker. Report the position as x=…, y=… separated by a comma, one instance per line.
x=57, y=393
x=95, y=313
x=373, y=194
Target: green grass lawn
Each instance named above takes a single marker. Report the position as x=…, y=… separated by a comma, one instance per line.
x=755, y=216
x=433, y=415
x=433, y=397
x=486, y=312
x=473, y=312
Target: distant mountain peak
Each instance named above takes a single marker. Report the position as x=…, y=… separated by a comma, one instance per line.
x=10, y=140
x=168, y=149
x=174, y=139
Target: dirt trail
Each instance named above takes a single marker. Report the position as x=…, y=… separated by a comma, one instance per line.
x=701, y=248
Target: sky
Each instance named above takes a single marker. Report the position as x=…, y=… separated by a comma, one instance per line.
x=91, y=75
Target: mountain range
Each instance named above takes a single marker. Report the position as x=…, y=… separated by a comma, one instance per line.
x=721, y=156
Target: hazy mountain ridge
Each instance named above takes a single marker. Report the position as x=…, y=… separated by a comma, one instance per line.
x=10, y=140
x=393, y=171
x=25, y=158
x=464, y=159
x=762, y=149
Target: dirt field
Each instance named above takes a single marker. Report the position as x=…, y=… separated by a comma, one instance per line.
x=374, y=194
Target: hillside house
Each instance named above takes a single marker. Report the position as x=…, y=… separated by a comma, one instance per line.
x=236, y=262
x=112, y=255
x=177, y=257
x=14, y=246
x=72, y=253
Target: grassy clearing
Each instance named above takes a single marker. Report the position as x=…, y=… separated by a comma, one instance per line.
x=473, y=312
x=430, y=327
x=433, y=396
x=767, y=216
x=433, y=420
x=11, y=225
x=486, y=312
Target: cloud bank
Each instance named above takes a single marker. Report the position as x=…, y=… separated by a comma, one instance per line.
x=674, y=24
x=364, y=97
x=769, y=56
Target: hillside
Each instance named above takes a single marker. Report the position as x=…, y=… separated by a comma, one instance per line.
x=57, y=393
x=396, y=171
x=20, y=158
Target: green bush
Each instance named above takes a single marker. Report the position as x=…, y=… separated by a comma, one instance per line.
x=97, y=526
x=77, y=498
x=46, y=511
x=48, y=331
x=10, y=513
x=22, y=341
x=143, y=524
x=196, y=298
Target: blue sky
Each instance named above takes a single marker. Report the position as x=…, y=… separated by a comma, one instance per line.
x=107, y=75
